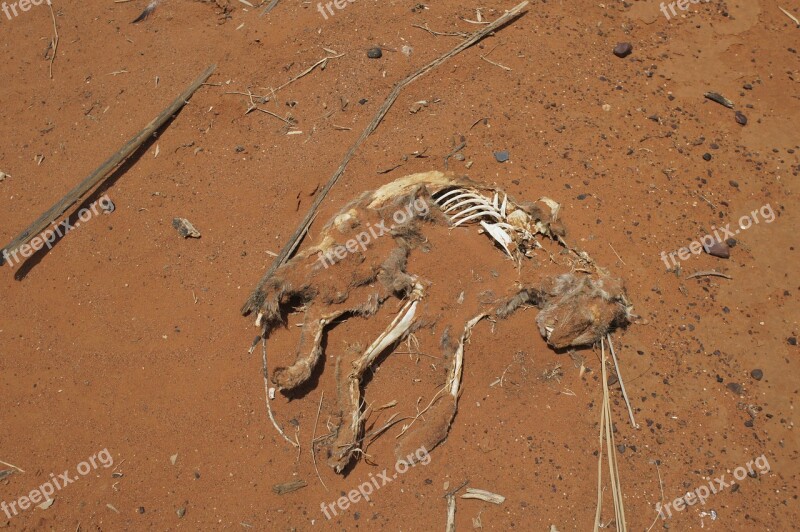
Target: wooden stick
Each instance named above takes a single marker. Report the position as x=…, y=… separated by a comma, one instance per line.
x=104, y=170
x=257, y=296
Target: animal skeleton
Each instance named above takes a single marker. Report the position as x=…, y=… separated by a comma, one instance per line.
x=578, y=301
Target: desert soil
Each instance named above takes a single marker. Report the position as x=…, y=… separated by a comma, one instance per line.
x=124, y=342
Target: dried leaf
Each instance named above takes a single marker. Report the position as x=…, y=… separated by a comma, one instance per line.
x=288, y=487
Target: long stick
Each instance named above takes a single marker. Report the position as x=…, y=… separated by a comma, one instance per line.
x=257, y=296
x=104, y=170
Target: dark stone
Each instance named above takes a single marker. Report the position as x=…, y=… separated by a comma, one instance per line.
x=757, y=374
x=706, y=156
x=736, y=388
x=374, y=53
x=719, y=249
x=740, y=118
x=623, y=49
x=501, y=156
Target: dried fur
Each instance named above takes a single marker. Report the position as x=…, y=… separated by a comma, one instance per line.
x=575, y=308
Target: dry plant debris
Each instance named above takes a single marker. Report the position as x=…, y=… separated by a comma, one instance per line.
x=578, y=301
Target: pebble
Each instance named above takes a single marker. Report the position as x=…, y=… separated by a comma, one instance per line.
x=706, y=156
x=501, y=156
x=740, y=118
x=623, y=49
x=181, y=512
x=748, y=87
x=792, y=340
x=719, y=249
x=374, y=53
x=736, y=388
x=757, y=374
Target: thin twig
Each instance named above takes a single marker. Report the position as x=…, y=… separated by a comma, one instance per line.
x=621, y=384
x=55, y=38
x=104, y=169
x=11, y=465
x=445, y=33
x=485, y=58
x=455, y=490
x=615, y=253
x=313, y=437
x=415, y=418
x=709, y=273
x=794, y=19
x=323, y=61
x=257, y=296
x=661, y=487
x=266, y=389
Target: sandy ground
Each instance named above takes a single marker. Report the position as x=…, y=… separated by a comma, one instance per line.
x=124, y=358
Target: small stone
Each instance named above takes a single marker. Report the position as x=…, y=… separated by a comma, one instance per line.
x=736, y=388
x=362, y=101
x=740, y=118
x=757, y=374
x=621, y=448
x=501, y=156
x=141, y=509
x=792, y=340
x=749, y=423
x=733, y=183
x=748, y=87
x=185, y=228
x=181, y=512
x=720, y=250
x=706, y=156
x=623, y=49
x=374, y=53
x=731, y=242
